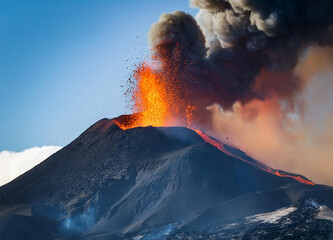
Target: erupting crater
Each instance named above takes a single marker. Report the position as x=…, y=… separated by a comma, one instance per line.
x=126, y=122
x=158, y=98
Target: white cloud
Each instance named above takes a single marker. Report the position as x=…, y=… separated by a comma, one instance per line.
x=13, y=164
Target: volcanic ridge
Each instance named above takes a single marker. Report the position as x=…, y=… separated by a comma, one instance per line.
x=160, y=183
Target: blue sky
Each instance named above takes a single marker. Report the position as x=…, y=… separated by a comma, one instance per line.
x=62, y=64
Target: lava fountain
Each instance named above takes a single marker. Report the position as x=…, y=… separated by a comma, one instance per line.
x=158, y=99
x=219, y=58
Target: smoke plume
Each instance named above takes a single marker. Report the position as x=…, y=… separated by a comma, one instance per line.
x=232, y=41
x=296, y=136
x=262, y=62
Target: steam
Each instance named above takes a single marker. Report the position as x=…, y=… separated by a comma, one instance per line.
x=265, y=64
x=77, y=224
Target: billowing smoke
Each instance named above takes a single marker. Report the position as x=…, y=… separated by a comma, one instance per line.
x=265, y=64
x=232, y=41
x=293, y=137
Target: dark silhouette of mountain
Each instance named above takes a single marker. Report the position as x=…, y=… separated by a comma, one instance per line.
x=154, y=183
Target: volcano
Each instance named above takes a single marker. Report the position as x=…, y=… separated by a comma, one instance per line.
x=160, y=183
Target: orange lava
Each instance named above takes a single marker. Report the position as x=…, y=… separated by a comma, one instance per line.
x=150, y=98
x=159, y=99
x=260, y=165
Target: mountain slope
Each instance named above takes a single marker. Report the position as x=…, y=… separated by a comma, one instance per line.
x=113, y=182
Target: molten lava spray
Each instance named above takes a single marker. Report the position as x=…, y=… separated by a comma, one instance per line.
x=242, y=55
x=150, y=98
x=160, y=97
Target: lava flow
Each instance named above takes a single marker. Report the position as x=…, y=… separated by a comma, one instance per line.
x=157, y=98
x=262, y=166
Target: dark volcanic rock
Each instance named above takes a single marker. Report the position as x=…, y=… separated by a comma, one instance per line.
x=153, y=182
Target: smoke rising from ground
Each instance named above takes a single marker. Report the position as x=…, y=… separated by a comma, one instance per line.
x=265, y=62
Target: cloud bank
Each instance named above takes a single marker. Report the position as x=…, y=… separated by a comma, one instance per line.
x=13, y=164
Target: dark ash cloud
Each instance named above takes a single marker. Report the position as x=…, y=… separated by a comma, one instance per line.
x=219, y=55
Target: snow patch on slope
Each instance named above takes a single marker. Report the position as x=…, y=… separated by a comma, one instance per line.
x=271, y=217
x=325, y=213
